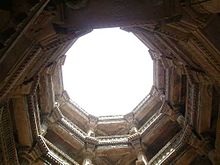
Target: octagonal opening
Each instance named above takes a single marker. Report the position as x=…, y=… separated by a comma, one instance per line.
x=108, y=72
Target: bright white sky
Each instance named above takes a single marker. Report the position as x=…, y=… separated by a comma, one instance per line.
x=108, y=72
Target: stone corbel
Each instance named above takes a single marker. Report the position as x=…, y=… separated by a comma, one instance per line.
x=167, y=62
x=133, y=129
x=132, y=122
x=49, y=70
x=91, y=133
x=195, y=77
x=65, y=97
x=56, y=115
x=61, y=60
x=135, y=140
x=88, y=156
x=62, y=99
x=174, y=114
x=158, y=93
x=89, y=148
x=201, y=146
x=52, y=68
x=141, y=159
x=187, y=132
x=23, y=89
x=154, y=55
x=90, y=143
x=25, y=157
x=91, y=125
x=29, y=156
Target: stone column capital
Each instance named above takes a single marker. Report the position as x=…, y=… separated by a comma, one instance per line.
x=173, y=113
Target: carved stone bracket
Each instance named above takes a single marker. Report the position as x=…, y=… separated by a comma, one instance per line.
x=90, y=144
x=135, y=140
x=201, y=146
x=92, y=125
x=141, y=159
x=174, y=114
x=154, y=55
x=56, y=115
x=34, y=153
x=196, y=76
